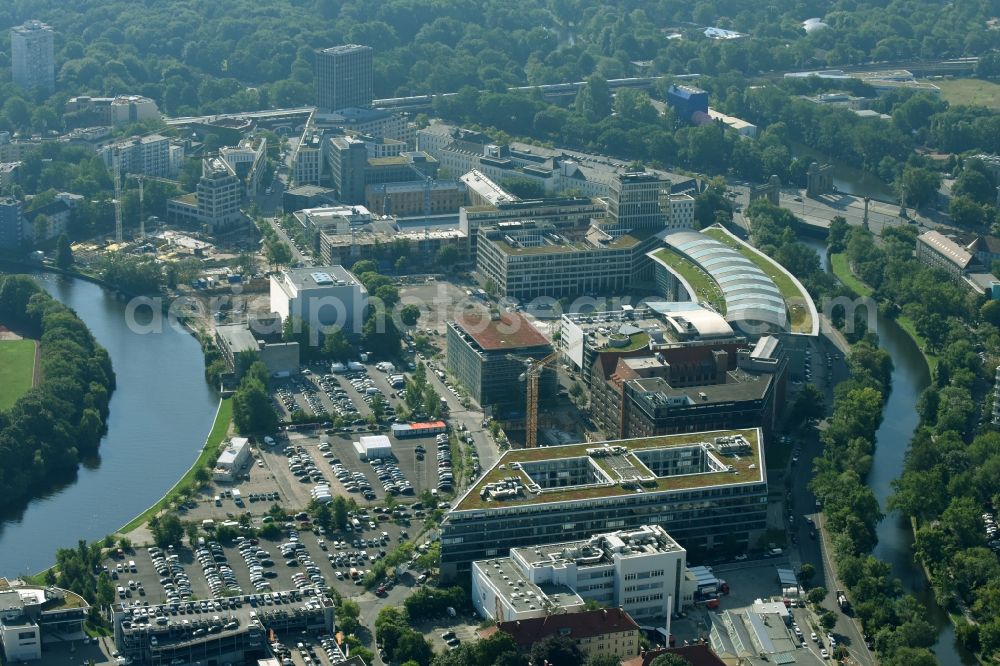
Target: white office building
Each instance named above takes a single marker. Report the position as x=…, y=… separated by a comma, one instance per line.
x=32, y=616
x=148, y=155
x=31, y=56
x=641, y=571
x=232, y=460
x=320, y=296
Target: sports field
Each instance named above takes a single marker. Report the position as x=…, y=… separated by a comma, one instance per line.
x=970, y=92
x=17, y=365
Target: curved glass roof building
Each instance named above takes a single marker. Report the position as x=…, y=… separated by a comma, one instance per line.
x=716, y=268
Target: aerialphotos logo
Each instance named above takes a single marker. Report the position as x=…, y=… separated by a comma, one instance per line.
x=149, y=314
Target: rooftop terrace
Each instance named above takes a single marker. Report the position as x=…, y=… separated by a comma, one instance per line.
x=594, y=470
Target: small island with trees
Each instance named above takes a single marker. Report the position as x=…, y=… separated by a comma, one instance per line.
x=53, y=425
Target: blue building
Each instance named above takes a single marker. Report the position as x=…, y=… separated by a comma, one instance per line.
x=11, y=232
x=687, y=100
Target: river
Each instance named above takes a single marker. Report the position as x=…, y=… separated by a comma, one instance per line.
x=850, y=179
x=899, y=420
x=160, y=415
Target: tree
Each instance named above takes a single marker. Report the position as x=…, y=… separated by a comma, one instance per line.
x=412, y=646
x=378, y=406
x=918, y=186
x=837, y=235
x=990, y=312
x=593, y=102
x=252, y=409
x=336, y=346
x=603, y=660
x=447, y=257
x=167, y=530
x=828, y=620
x=557, y=651
x=278, y=253
x=246, y=264
x=965, y=212
x=809, y=405
x=806, y=573
x=64, y=253
x=523, y=187
x=191, y=530
x=816, y=595
x=669, y=659
x=347, y=615
x=340, y=512
x=410, y=314
x=363, y=266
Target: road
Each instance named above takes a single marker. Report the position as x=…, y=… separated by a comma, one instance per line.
x=801, y=503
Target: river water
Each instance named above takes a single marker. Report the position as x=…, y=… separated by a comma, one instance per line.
x=850, y=179
x=161, y=414
x=899, y=420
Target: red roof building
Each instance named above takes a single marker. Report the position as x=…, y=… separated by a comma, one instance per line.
x=606, y=631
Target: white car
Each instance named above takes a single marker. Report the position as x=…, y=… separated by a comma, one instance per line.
x=823, y=653
x=740, y=557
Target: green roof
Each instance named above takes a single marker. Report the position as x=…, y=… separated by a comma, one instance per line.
x=794, y=297
x=705, y=288
x=747, y=468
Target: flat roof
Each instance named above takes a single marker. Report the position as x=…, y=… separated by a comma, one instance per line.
x=347, y=48
x=511, y=583
x=510, y=330
x=238, y=337
x=745, y=468
x=740, y=386
x=244, y=615
x=483, y=186
x=601, y=549
x=531, y=238
x=313, y=277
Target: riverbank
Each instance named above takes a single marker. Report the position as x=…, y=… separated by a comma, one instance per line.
x=208, y=455
x=842, y=270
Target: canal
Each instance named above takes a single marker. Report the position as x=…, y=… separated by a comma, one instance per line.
x=160, y=415
x=899, y=420
x=849, y=179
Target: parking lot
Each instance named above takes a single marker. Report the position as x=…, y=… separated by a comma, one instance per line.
x=299, y=559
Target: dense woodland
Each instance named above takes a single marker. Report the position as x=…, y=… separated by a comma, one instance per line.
x=195, y=58
x=192, y=56
x=47, y=432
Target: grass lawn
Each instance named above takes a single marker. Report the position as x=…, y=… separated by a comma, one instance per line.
x=838, y=262
x=703, y=285
x=794, y=298
x=17, y=367
x=970, y=92
x=208, y=455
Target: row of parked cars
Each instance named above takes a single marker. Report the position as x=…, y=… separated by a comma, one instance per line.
x=295, y=554
x=258, y=562
x=302, y=465
x=991, y=531
x=217, y=571
x=393, y=480
x=353, y=482
x=175, y=581
x=446, y=479
x=342, y=403
x=308, y=653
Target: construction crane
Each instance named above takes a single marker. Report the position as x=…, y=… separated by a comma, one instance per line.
x=116, y=167
x=142, y=220
x=532, y=371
